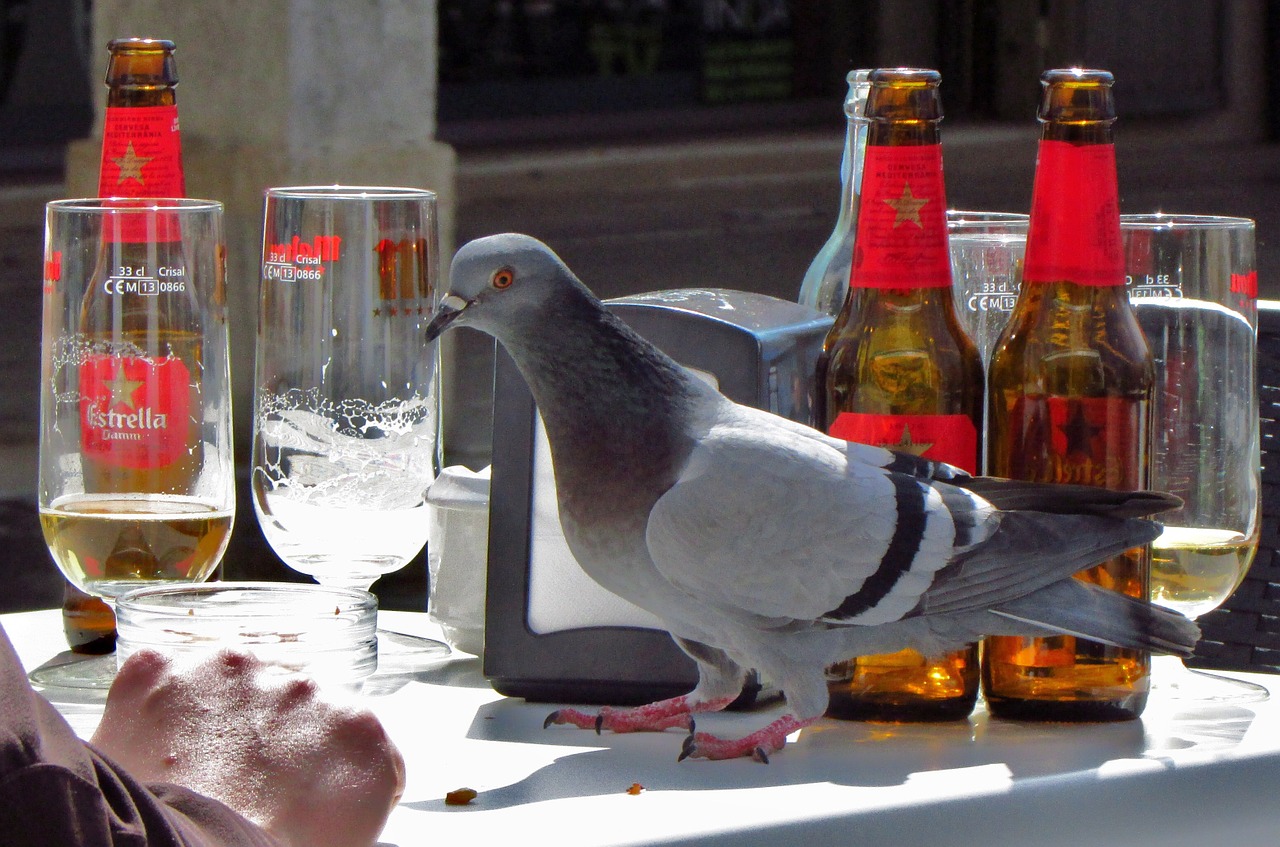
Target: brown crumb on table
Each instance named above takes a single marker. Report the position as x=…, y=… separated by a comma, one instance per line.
x=635, y=789
x=460, y=797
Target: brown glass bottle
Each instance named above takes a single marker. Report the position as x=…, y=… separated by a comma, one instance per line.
x=1070, y=396
x=140, y=297
x=141, y=157
x=89, y=623
x=899, y=371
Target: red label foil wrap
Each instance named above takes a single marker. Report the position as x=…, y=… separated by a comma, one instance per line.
x=134, y=412
x=941, y=438
x=1246, y=284
x=142, y=157
x=1074, y=233
x=902, y=220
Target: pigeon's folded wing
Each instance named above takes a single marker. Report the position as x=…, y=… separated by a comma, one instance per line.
x=781, y=522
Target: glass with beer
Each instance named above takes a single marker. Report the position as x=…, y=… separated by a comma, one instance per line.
x=136, y=479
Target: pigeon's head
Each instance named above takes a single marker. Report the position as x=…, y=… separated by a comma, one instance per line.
x=496, y=280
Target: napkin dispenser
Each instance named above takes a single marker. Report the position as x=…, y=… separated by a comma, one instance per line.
x=553, y=634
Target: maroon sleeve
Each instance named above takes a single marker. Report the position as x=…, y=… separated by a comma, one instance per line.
x=56, y=789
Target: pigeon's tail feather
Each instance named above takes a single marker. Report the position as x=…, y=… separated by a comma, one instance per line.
x=1030, y=551
x=1090, y=611
x=1062, y=499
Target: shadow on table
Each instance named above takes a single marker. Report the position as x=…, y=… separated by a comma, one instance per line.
x=456, y=671
x=996, y=753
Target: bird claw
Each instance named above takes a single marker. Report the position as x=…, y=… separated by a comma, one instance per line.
x=573, y=717
x=688, y=748
x=758, y=745
x=703, y=745
x=641, y=719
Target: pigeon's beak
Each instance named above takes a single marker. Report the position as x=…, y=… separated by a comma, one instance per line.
x=446, y=313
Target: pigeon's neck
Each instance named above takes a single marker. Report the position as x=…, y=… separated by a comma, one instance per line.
x=616, y=410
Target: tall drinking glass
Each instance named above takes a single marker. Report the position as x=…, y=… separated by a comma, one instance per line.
x=346, y=408
x=136, y=480
x=986, y=269
x=1193, y=282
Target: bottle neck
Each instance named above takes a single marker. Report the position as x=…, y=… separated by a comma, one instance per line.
x=141, y=142
x=855, y=148
x=902, y=222
x=1074, y=231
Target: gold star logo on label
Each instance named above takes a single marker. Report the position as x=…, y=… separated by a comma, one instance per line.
x=907, y=207
x=122, y=389
x=907, y=445
x=130, y=165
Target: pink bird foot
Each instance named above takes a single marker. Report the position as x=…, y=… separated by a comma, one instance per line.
x=655, y=717
x=758, y=745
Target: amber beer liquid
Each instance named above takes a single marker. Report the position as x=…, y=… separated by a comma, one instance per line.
x=898, y=370
x=1070, y=397
x=140, y=383
x=115, y=543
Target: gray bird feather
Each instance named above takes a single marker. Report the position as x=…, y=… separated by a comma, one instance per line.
x=762, y=543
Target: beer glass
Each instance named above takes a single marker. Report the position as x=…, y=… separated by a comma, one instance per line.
x=136, y=481
x=346, y=409
x=1193, y=282
x=986, y=271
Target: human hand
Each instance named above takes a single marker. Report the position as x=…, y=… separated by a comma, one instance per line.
x=308, y=771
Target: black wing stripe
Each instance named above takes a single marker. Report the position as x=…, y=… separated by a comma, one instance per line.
x=897, y=560
x=923, y=468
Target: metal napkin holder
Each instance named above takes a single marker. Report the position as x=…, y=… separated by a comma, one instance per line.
x=761, y=351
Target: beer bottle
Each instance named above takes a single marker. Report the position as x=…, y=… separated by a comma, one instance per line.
x=900, y=372
x=827, y=280
x=1070, y=396
x=145, y=392
x=89, y=623
x=147, y=382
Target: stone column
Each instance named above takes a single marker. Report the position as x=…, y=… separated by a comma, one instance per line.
x=285, y=92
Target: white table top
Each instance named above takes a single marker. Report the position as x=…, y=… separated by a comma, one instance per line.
x=1193, y=774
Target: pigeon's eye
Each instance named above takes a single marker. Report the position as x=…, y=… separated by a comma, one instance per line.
x=502, y=278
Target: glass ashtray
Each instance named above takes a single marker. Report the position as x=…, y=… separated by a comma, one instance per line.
x=326, y=633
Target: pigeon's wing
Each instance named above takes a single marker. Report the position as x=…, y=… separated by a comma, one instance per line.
x=777, y=520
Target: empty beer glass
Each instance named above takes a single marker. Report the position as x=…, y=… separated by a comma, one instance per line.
x=346, y=408
x=986, y=271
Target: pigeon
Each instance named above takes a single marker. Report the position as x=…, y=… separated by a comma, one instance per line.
x=764, y=544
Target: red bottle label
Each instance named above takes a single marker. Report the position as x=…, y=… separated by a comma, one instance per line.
x=1083, y=440
x=1075, y=216
x=941, y=438
x=1246, y=284
x=134, y=412
x=902, y=220
x=141, y=157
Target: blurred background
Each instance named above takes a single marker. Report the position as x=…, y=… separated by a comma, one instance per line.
x=653, y=143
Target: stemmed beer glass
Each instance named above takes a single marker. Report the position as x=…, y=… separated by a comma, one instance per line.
x=1193, y=282
x=136, y=480
x=346, y=409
